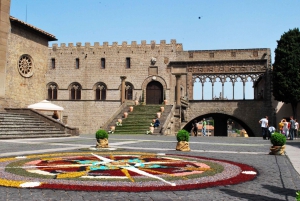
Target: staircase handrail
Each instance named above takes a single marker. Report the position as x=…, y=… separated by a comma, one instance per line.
x=53, y=122
x=168, y=119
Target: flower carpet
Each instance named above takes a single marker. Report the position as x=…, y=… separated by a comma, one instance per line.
x=120, y=171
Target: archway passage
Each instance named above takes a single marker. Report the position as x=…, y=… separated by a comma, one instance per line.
x=154, y=93
x=220, y=124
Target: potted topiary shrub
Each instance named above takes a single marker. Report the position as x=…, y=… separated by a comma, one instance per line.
x=183, y=138
x=102, y=139
x=278, y=141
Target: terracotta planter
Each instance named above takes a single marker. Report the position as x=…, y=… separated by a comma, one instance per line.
x=102, y=143
x=165, y=102
x=162, y=109
x=125, y=114
x=183, y=146
x=130, y=109
x=158, y=114
x=277, y=150
x=112, y=128
x=151, y=128
x=120, y=120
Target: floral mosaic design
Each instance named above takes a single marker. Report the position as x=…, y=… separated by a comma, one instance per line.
x=120, y=171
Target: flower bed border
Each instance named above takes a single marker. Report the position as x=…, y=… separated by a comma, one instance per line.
x=247, y=173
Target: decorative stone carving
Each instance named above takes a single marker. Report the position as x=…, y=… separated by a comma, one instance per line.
x=153, y=60
x=25, y=66
x=166, y=60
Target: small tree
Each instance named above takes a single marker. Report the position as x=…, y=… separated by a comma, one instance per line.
x=286, y=69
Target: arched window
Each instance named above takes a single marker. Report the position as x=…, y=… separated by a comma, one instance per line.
x=52, y=91
x=75, y=91
x=100, y=91
x=128, y=91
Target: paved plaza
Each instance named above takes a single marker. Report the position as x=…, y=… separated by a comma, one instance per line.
x=278, y=177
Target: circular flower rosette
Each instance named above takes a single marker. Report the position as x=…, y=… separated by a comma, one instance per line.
x=120, y=171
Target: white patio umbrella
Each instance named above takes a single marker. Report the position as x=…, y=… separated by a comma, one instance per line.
x=47, y=106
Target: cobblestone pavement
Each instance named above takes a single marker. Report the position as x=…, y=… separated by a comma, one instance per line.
x=277, y=179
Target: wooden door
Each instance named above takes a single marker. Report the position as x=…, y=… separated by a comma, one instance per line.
x=154, y=93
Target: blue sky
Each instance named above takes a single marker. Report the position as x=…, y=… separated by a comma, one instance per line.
x=224, y=24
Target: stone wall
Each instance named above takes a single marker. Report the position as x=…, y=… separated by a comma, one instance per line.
x=88, y=116
x=90, y=71
x=21, y=90
x=4, y=30
x=226, y=55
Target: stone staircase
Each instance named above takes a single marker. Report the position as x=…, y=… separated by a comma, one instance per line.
x=14, y=125
x=139, y=120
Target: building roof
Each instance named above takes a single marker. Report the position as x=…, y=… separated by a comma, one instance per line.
x=33, y=28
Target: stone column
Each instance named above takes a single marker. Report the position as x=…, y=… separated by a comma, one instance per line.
x=232, y=91
x=202, y=91
x=123, y=89
x=212, y=91
x=177, y=89
x=4, y=30
x=243, y=90
x=222, y=91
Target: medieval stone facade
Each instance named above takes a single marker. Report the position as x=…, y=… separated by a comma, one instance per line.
x=86, y=69
x=27, y=59
x=87, y=79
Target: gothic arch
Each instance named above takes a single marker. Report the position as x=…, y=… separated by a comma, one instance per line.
x=52, y=89
x=154, y=78
x=75, y=91
x=158, y=79
x=129, y=89
x=100, y=89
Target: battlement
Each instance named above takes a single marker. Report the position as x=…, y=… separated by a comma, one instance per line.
x=124, y=44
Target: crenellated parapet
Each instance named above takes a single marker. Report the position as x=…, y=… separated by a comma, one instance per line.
x=134, y=45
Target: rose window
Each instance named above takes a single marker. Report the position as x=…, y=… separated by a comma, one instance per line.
x=25, y=66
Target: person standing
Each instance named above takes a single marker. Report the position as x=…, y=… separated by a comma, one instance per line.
x=264, y=127
x=195, y=128
x=204, y=127
x=296, y=128
x=292, y=128
x=285, y=129
x=281, y=127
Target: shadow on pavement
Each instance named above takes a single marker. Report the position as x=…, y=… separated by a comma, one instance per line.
x=249, y=196
x=280, y=191
x=293, y=143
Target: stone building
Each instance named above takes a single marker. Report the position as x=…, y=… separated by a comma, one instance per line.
x=86, y=80
x=92, y=81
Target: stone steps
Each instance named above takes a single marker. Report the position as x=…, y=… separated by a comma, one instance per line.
x=40, y=135
x=14, y=126
x=7, y=129
x=139, y=120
